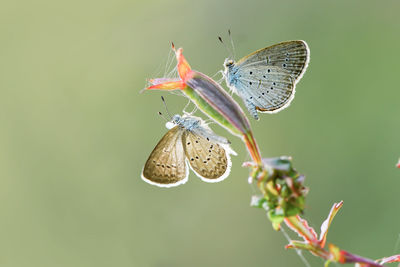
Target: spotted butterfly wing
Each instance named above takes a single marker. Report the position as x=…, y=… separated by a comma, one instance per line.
x=188, y=140
x=166, y=165
x=292, y=56
x=208, y=159
x=266, y=79
x=266, y=89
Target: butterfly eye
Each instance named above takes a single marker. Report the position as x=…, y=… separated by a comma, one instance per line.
x=228, y=63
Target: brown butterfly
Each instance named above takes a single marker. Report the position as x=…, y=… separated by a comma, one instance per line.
x=189, y=142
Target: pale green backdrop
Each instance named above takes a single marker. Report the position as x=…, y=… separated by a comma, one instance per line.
x=75, y=132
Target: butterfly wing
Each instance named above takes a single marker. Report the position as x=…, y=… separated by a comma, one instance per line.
x=266, y=88
x=210, y=135
x=208, y=159
x=292, y=56
x=166, y=166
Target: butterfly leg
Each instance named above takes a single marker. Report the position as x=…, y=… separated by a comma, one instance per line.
x=189, y=113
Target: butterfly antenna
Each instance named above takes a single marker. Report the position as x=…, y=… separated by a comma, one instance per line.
x=162, y=115
x=226, y=47
x=166, y=108
x=233, y=47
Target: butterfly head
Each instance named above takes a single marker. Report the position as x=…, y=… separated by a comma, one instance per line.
x=229, y=71
x=177, y=119
x=228, y=63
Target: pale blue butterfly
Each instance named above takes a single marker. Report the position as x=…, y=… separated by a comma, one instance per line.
x=266, y=79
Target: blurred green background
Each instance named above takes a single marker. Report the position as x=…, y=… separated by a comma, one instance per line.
x=75, y=132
